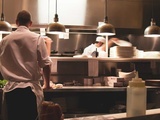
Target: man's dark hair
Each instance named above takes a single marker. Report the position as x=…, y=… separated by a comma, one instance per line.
x=23, y=17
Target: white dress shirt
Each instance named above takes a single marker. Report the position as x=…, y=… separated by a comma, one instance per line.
x=22, y=55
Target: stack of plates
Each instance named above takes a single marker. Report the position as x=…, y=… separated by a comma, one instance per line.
x=123, y=51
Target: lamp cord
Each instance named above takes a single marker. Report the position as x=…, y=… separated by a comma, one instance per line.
x=105, y=9
x=2, y=14
x=2, y=6
x=56, y=15
x=48, y=9
x=152, y=19
x=56, y=7
x=152, y=9
x=105, y=12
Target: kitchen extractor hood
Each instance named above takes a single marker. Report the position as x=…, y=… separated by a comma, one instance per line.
x=71, y=12
x=81, y=15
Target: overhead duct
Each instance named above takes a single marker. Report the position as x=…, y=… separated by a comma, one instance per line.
x=82, y=15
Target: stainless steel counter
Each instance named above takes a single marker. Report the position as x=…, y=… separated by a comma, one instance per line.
x=70, y=68
x=152, y=114
x=107, y=59
x=95, y=89
x=80, y=101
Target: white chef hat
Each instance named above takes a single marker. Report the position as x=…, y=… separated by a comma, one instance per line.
x=100, y=39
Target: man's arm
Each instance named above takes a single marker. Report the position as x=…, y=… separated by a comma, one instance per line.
x=46, y=77
x=111, y=41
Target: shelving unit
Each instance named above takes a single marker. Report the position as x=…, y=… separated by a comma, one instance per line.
x=78, y=100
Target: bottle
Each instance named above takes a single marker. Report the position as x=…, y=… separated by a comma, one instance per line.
x=136, y=97
x=96, y=53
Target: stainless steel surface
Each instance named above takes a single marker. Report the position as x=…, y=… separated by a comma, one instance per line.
x=79, y=41
x=127, y=60
x=70, y=12
x=129, y=17
x=76, y=43
x=68, y=69
x=95, y=89
x=152, y=114
x=153, y=82
x=121, y=13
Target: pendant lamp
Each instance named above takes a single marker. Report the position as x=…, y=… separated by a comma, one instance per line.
x=106, y=28
x=153, y=30
x=55, y=27
x=5, y=27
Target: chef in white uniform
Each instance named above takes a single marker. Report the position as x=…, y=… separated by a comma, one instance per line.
x=98, y=46
x=89, y=50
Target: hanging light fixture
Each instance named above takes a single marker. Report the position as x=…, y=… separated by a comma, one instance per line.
x=153, y=30
x=106, y=28
x=5, y=27
x=55, y=28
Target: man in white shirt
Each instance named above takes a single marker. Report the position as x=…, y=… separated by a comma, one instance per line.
x=24, y=60
x=89, y=50
x=98, y=46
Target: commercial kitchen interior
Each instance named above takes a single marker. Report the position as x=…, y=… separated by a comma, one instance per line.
x=81, y=17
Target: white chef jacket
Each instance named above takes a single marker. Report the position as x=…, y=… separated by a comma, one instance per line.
x=91, y=48
x=22, y=55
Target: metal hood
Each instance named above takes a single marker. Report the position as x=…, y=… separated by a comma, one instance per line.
x=84, y=14
x=70, y=12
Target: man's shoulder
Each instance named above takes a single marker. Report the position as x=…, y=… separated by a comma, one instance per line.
x=33, y=33
x=91, y=45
